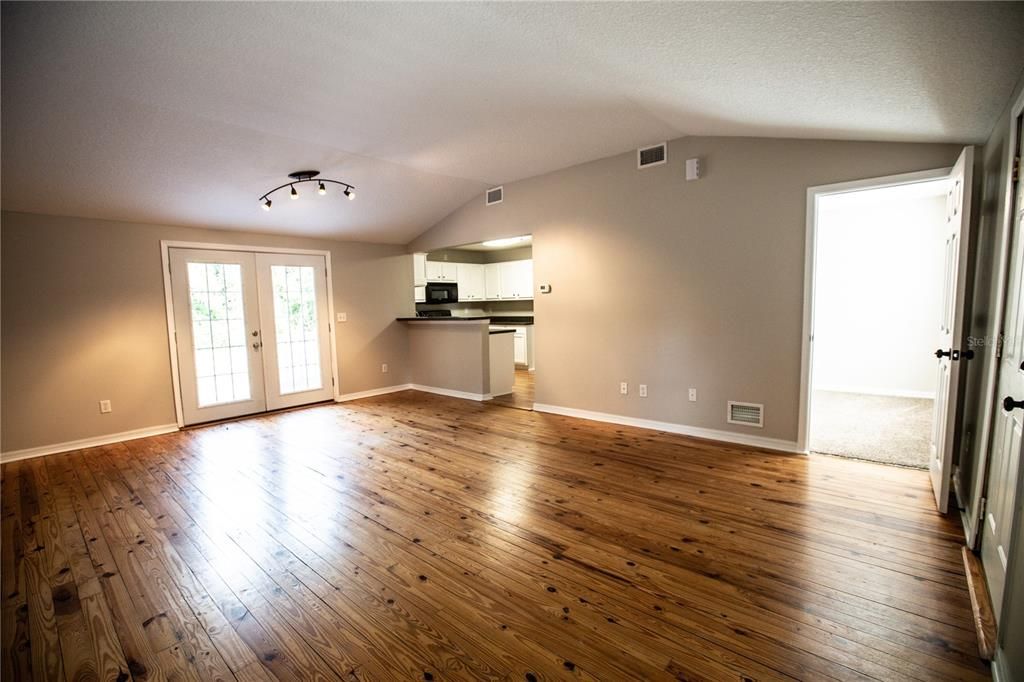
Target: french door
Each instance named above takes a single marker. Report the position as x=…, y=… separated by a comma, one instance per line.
x=252, y=331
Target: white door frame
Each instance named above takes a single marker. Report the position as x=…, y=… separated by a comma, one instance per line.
x=990, y=383
x=172, y=345
x=814, y=194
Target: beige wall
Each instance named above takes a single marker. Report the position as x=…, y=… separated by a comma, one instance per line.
x=676, y=284
x=84, y=320
x=450, y=355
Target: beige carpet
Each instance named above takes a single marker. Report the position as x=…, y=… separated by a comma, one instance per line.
x=872, y=427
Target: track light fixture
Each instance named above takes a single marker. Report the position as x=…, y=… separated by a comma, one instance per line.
x=306, y=176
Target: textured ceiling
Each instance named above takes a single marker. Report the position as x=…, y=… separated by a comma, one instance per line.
x=184, y=113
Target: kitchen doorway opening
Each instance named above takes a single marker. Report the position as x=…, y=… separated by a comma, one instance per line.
x=881, y=306
x=490, y=280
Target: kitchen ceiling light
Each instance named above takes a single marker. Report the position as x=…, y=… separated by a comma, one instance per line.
x=507, y=241
x=306, y=176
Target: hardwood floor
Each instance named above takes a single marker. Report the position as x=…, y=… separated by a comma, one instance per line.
x=521, y=396
x=418, y=537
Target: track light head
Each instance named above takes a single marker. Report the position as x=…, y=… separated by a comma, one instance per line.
x=321, y=189
x=295, y=195
x=266, y=205
x=349, y=193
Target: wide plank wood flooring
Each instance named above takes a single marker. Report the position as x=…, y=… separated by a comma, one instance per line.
x=417, y=537
x=521, y=396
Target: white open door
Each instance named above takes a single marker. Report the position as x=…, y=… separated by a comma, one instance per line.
x=951, y=326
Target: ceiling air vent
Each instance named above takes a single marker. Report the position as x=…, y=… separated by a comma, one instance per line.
x=493, y=196
x=651, y=156
x=748, y=414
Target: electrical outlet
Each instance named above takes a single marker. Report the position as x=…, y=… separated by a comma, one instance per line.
x=342, y=317
x=105, y=407
x=624, y=388
x=693, y=395
x=384, y=368
x=643, y=390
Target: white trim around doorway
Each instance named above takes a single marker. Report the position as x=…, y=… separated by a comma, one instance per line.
x=172, y=345
x=813, y=195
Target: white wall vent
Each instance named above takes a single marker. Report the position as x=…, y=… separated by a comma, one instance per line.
x=652, y=156
x=495, y=195
x=747, y=414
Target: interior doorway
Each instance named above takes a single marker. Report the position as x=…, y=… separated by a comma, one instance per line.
x=878, y=297
x=885, y=291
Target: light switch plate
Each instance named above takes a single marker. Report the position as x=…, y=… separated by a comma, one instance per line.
x=643, y=390
x=693, y=395
x=342, y=317
x=105, y=407
x=624, y=388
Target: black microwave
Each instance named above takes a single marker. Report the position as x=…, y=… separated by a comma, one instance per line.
x=442, y=292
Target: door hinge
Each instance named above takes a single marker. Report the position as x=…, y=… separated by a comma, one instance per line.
x=332, y=381
x=981, y=509
x=999, y=346
x=1015, y=172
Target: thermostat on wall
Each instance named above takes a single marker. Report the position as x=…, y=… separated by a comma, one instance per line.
x=693, y=169
x=545, y=288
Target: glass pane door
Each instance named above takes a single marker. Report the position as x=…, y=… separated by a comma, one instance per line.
x=295, y=319
x=216, y=314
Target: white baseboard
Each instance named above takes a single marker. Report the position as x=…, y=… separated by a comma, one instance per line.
x=70, y=445
x=874, y=390
x=682, y=429
x=451, y=393
x=999, y=672
x=371, y=393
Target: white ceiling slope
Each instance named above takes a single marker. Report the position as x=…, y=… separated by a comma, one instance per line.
x=184, y=113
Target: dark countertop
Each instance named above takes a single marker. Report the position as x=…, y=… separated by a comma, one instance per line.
x=502, y=331
x=443, y=319
x=510, y=320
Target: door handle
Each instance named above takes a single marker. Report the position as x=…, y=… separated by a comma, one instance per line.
x=954, y=354
x=1009, y=404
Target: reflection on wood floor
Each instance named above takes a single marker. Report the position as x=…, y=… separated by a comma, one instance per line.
x=521, y=396
x=419, y=537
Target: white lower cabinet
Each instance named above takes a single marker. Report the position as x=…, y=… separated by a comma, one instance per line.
x=519, y=344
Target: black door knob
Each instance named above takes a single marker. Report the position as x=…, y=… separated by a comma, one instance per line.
x=943, y=353
x=1009, y=404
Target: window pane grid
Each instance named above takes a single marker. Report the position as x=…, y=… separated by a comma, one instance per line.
x=218, y=333
x=295, y=320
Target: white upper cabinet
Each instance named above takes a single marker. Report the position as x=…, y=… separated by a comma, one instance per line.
x=419, y=269
x=471, y=282
x=439, y=271
x=516, y=279
x=492, y=282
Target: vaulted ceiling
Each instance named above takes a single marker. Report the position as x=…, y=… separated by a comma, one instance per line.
x=185, y=113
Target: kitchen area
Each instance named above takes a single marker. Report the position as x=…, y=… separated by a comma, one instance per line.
x=472, y=335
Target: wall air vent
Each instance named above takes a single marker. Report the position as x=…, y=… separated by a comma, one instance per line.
x=494, y=196
x=747, y=414
x=651, y=156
